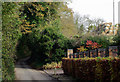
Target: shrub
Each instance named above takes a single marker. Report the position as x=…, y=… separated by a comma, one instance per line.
x=92, y=45
x=101, y=40
x=48, y=45
x=53, y=65
x=105, y=41
x=116, y=40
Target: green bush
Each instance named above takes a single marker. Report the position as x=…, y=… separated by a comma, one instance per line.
x=101, y=40
x=105, y=41
x=116, y=40
x=48, y=45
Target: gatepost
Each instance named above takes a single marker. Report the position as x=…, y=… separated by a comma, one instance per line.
x=101, y=52
x=113, y=51
x=69, y=52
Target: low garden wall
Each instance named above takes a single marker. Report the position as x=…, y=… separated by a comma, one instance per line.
x=92, y=68
x=111, y=51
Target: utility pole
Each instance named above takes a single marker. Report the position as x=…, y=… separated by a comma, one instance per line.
x=113, y=16
x=119, y=17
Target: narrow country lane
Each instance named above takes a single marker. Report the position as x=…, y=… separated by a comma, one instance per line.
x=25, y=72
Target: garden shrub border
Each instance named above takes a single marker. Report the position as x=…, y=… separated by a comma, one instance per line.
x=97, y=69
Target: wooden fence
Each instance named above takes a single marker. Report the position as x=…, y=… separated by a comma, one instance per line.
x=111, y=51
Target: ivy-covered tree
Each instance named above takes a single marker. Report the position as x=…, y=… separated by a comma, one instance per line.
x=37, y=15
x=42, y=14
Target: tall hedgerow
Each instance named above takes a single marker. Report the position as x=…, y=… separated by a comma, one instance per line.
x=10, y=35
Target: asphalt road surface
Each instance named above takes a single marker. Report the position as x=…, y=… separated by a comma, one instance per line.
x=25, y=72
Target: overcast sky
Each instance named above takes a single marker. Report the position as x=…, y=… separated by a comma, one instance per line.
x=96, y=8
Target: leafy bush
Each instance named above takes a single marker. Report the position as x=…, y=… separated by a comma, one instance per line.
x=105, y=41
x=53, y=65
x=101, y=40
x=116, y=40
x=92, y=45
x=48, y=45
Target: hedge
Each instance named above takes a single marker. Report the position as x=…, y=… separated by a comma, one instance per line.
x=10, y=35
x=97, y=69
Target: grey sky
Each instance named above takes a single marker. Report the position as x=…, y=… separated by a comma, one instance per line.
x=96, y=8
